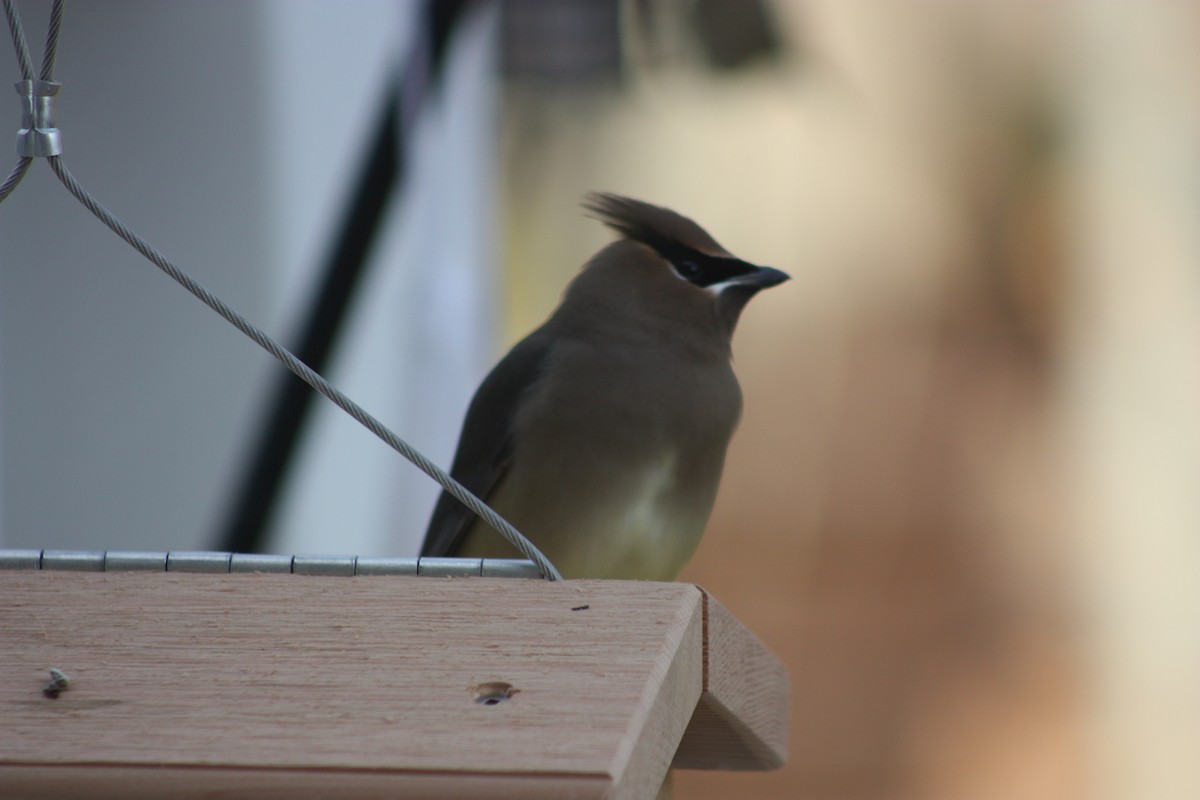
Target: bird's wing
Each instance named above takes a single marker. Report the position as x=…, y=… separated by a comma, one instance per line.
x=485, y=445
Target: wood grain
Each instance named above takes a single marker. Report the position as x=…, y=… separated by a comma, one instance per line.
x=741, y=721
x=273, y=685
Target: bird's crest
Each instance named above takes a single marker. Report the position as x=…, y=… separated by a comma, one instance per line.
x=658, y=227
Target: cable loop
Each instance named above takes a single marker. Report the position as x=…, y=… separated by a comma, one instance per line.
x=42, y=139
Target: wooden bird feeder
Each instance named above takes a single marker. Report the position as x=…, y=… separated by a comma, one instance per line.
x=261, y=685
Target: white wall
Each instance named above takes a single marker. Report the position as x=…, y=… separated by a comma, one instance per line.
x=226, y=133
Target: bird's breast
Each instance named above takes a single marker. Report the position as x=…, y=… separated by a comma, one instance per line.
x=647, y=389
x=617, y=462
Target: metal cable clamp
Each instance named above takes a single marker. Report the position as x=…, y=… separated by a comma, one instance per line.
x=39, y=135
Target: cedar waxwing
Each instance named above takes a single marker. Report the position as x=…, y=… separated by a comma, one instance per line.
x=602, y=434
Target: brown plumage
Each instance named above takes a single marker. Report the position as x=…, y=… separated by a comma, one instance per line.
x=602, y=434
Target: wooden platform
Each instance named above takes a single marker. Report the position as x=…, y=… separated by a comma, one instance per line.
x=301, y=686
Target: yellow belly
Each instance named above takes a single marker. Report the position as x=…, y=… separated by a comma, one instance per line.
x=632, y=527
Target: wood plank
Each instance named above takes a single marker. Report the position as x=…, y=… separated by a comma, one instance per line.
x=120, y=782
x=666, y=710
x=303, y=686
x=741, y=721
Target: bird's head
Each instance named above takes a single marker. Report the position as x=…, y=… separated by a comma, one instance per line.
x=702, y=274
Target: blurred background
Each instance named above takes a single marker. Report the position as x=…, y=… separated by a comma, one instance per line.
x=964, y=502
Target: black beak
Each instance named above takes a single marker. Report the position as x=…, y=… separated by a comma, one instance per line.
x=760, y=278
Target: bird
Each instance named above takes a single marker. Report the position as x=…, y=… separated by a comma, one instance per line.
x=602, y=434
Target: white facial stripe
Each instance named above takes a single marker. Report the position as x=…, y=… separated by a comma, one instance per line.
x=716, y=288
